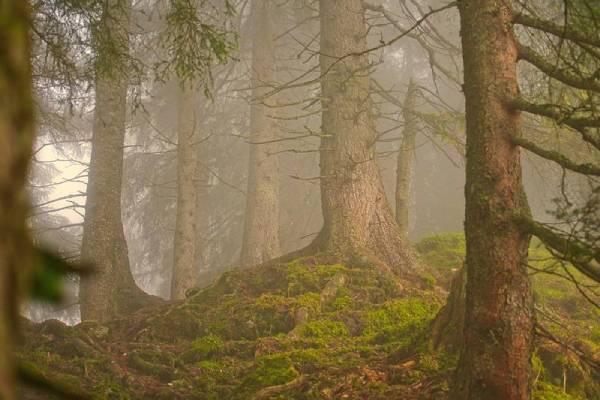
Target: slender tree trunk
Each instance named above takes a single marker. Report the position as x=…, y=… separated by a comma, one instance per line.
x=16, y=136
x=111, y=289
x=404, y=172
x=495, y=361
x=358, y=220
x=185, y=268
x=261, y=227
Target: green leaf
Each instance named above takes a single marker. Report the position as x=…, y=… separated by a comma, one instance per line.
x=49, y=273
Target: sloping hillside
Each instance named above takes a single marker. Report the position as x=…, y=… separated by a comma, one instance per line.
x=309, y=329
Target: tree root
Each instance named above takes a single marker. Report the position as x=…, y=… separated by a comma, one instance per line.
x=274, y=390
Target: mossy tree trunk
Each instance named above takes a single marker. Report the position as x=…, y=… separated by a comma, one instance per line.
x=261, y=226
x=16, y=136
x=358, y=219
x=185, y=268
x=498, y=330
x=111, y=289
x=406, y=155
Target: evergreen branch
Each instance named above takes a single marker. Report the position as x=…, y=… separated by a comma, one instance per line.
x=560, y=74
x=557, y=157
x=565, y=32
x=581, y=256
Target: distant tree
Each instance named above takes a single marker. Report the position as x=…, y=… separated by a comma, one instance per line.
x=261, y=225
x=111, y=289
x=185, y=268
x=190, y=48
x=406, y=157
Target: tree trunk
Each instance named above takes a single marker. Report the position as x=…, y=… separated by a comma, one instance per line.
x=495, y=361
x=358, y=220
x=185, y=271
x=448, y=326
x=405, y=159
x=16, y=136
x=111, y=289
x=261, y=227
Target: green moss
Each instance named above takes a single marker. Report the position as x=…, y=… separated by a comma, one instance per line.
x=311, y=302
x=399, y=321
x=444, y=251
x=204, y=348
x=270, y=371
x=342, y=300
x=109, y=390
x=232, y=338
x=154, y=363
x=546, y=391
x=595, y=334
x=303, y=278
x=324, y=329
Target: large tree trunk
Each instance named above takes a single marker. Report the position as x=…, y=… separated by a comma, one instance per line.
x=261, y=226
x=404, y=171
x=110, y=290
x=495, y=361
x=358, y=220
x=16, y=134
x=185, y=268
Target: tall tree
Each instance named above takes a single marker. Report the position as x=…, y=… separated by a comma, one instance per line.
x=16, y=136
x=358, y=220
x=261, y=226
x=495, y=359
x=406, y=157
x=497, y=344
x=185, y=268
x=111, y=289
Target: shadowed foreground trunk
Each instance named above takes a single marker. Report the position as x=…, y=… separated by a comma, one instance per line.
x=110, y=290
x=185, y=271
x=261, y=226
x=495, y=361
x=404, y=171
x=16, y=135
x=358, y=220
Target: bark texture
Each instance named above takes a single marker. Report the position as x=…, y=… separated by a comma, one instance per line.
x=358, y=219
x=16, y=135
x=185, y=271
x=406, y=157
x=447, y=327
x=110, y=290
x=261, y=226
x=495, y=361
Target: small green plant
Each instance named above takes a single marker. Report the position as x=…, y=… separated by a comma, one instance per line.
x=204, y=348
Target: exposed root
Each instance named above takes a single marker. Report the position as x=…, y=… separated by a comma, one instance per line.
x=275, y=390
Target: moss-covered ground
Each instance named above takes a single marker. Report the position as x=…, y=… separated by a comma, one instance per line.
x=309, y=329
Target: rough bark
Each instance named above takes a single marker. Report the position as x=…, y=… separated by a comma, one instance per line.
x=111, y=289
x=404, y=170
x=358, y=219
x=185, y=271
x=447, y=327
x=495, y=361
x=16, y=135
x=261, y=226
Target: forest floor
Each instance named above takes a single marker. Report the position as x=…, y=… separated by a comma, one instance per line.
x=312, y=328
